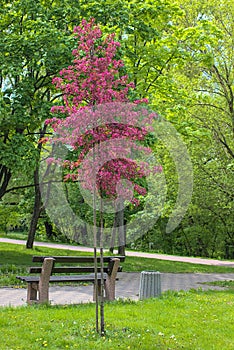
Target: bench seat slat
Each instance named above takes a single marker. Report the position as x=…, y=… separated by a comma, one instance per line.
x=77, y=259
x=85, y=269
x=57, y=279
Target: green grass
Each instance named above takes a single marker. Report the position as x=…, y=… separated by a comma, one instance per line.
x=225, y=284
x=14, y=235
x=15, y=259
x=136, y=264
x=177, y=320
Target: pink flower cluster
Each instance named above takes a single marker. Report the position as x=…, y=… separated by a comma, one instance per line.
x=97, y=110
x=115, y=170
x=94, y=76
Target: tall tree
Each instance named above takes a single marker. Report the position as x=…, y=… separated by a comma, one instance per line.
x=212, y=110
x=96, y=111
x=35, y=42
x=203, y=113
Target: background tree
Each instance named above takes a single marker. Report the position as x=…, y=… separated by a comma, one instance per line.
x=35, y=43
x=202, y=113
x=210, y=80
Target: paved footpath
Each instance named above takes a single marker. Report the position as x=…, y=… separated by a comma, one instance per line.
x=202, y=261
x=128, y=284
x=126, y=287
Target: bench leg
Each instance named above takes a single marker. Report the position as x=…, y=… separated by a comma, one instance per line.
x=110, y=288
x=32, y=293
x=43, y=295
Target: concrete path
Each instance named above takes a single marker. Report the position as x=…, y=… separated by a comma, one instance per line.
x=126, y=287
x=192, y=260
x=128, y=284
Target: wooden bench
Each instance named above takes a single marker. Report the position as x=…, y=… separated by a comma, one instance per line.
x=59, y=269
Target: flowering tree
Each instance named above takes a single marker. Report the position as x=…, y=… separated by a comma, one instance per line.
x=100, y=124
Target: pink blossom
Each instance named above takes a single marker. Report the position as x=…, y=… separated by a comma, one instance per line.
x=93, y=90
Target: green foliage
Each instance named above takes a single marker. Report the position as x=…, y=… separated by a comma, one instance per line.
x=201, y=109
x=35, y=43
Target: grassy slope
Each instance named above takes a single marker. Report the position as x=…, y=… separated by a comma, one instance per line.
x=15, y=259
x=192, y=320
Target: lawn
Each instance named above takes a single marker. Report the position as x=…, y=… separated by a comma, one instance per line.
x=177, y=320
x=193, y=320
x=225, y=284
x=15, y=259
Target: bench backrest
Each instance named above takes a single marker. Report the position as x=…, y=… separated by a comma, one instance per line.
x=108, y=261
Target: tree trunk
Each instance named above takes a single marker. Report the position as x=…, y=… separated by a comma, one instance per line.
x=113, y=234
x=36, y=211
x=5, y=175
x=37, y=199
x=102, y=318
x=119, y=229
x=84, y=234
x=120, y=223
x=121, y=247
x=49, y=229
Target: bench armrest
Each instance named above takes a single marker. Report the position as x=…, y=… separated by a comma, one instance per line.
x=43, y=287
x=111, y=278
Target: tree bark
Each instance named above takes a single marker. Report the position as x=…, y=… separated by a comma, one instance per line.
x=49, y=229
x=119, y=229
x=5, y=176
x=37, y=199
x=84, y=234
x=36, y=211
